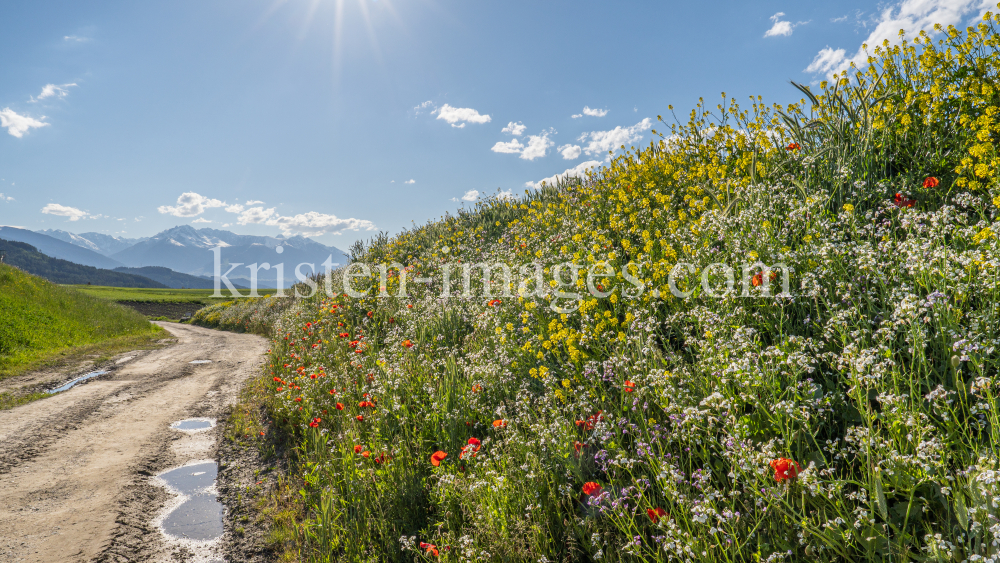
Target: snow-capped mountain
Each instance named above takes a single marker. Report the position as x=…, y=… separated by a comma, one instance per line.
x=189, y=250
x=98, y=242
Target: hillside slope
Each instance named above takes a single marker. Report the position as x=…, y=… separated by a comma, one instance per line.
x=780, y=342
x=39, y=319
x=27, y=258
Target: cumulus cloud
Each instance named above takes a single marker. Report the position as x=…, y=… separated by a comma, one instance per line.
x=307, y=224
x=569, y=152
x=515, y=129
x=575, y=172
x=253, y=202
x=255, y=215
x=201, y=220
x=780, y=27
x=6, y=198
x=235, y=208
x=471, y=195
x=507, y=195
x=421, y=107
x=600, y=142
x=410, y=181
x=190, y=204
x=513, y=147
x=53, y=90
x=16, y=124
x=594, y=112
x=73, y=213
x=537, y=145
x=911, y=16
x=313, y=224
x=458, y=117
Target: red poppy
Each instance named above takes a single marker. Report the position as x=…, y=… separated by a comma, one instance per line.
x=366, y=454
x=590, y=422
x=364, y=404
x=471, y=449
x=493, y=302
x=431, y=548
x=344, y=334
x=793, y=147
x=591, y=489
x=409, y=306
x=629, y=386
x=314, y=423
x=437, y=457
x=577, y=446
x=499, y=424
x=276, y=378
x=371, y=314
x=280, y=389
x=899, y=201
x=474, y=442
x=340, y=406
x=785, y=468
x=333, y=392
x=353, y=343
x=360, y=418
x=407, y=343
x=477, y=388
x=298, y=399
x=357, y=449
x=931, y=182
x=655, y=514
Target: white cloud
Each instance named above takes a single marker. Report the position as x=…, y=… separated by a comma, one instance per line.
x=838, y=20
x=569, y=152
x=460, y=115
x=255, y=215
x=201, y=220
x=577, y=171
x=513, y=147
x=50, y=90
x=235, y=208
x=780, y=27
x=471, y=195
x=224, y=225
x=410, y=181
x=6, y=198
x=594, y=112
x=600, y=142
x=73, y=213
x=420, y=107
x=507, y=195
x=515, y=129
x=190, y=204
x=537, y=145
x=253, y=202
x=313, y=224
x=827, y=60
x=911, y=16
x=75, y=38
x=16, y=124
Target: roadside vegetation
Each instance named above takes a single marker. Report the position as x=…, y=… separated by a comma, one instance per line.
x=855, y=418
x=41, y=322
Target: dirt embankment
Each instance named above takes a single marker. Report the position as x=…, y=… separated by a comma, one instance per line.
x=76, y=468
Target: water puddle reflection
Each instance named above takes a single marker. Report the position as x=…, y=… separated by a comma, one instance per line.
x=75, y=381
x=198, y=516
x=201, y=362
x=193, y=424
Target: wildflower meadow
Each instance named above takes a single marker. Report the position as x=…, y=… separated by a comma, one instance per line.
x=853, y=417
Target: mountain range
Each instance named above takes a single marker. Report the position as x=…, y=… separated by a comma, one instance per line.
x=183, y=249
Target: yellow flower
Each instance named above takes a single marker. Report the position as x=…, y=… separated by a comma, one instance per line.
x=848, y=208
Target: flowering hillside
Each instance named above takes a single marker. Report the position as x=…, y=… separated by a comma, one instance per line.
x=626, y=416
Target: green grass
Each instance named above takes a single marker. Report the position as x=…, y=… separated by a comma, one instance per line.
x=149, y=295
x=42, y=322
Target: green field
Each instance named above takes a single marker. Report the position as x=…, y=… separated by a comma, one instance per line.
x=41, y=322
x=150, y=295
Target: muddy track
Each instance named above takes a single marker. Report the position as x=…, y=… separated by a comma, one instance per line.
x=76, y=468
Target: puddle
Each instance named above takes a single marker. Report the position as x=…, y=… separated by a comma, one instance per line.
x=197, y=514
x=193, y=424
x=75, y=381
x=201, y=362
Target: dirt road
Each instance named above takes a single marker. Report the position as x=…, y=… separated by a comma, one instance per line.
x=75, y=468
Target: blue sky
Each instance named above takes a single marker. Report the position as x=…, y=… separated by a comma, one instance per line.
x=335, y=117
